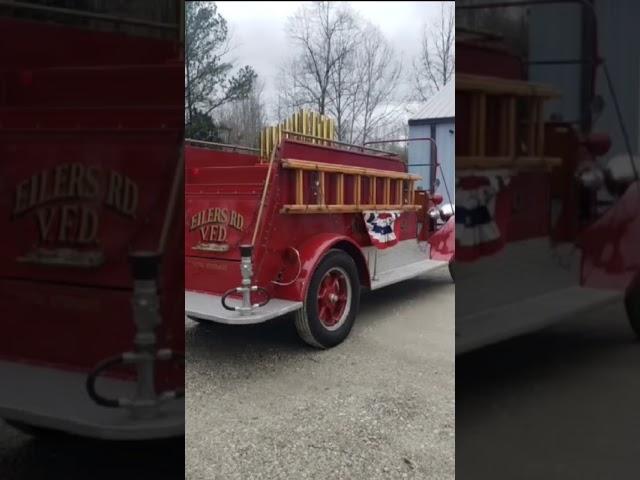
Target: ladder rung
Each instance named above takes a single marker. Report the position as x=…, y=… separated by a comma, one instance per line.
x=345, y=208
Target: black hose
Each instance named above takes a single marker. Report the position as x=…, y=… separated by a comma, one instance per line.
x=224, y=299
x=93, y=377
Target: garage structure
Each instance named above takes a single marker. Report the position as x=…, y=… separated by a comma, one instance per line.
x=436, y=120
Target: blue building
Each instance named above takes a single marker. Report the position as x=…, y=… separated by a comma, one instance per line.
x=437, y=119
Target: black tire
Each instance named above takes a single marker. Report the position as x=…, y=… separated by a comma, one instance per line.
x=632, y=305
x=308, y=323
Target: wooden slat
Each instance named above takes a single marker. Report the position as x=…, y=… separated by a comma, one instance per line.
x=340, y=189
x=540, y=139
x=399, y=191
x=358, y=190
x=372, y=189
x=387, y=191
x=531, y=128
x=503, y=126
x=321, y=196
x=513, y=131
x=482, y=124
x=503, y=86
x=350, y=170
x=299, y=187
x=480, y=163
x=345, y=208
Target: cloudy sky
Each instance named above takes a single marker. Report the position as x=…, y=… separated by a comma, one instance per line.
x=259, y=38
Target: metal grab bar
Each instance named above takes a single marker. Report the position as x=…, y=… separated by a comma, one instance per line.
x=220, y=145
x=362, y=148
x=435, y=147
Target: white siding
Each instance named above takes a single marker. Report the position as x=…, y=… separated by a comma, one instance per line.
x=420, y=153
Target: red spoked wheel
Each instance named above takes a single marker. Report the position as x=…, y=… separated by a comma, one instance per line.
x=332, y=301
x=334, y=296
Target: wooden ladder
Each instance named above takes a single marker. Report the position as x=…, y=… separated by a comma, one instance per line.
x=334, y=184
x=516, y=148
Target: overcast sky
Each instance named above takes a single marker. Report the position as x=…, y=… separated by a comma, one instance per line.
x=259, y=38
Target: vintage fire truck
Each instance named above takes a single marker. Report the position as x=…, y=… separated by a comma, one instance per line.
x=534, y=244
x=91, y=182
x=302, y=225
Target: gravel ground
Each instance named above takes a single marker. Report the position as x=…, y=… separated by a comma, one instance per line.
x=262, y=405
x=562, y=403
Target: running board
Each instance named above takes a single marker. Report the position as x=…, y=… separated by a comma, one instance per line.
x=206, y=306
x=405, y=272
x=57, y=399
x=491, y=326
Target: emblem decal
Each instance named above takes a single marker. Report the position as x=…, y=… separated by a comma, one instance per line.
x=213, y=225
x=64, y=202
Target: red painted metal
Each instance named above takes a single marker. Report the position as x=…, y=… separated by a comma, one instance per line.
x=233, y=184
x=91, y=128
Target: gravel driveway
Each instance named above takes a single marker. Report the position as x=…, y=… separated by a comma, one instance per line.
x=262, y=405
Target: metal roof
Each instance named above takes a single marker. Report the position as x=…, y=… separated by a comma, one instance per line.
x=440, y=105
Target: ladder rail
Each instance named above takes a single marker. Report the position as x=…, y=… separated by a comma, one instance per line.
x=392, y=195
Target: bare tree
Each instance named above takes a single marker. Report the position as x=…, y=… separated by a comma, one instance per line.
x=324, y=34
x=209, y=82
x=241, y=120
x=436, y=63
x=343, y=66
x=378, y=75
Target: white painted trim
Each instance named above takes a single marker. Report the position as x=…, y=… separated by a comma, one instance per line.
x=57, y=399
x=206, y=306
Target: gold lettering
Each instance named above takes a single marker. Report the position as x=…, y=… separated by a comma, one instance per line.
x=61, y=178
x=222, y=233
x=214, y=233
x=90, y=188
x=211, y=215
x=203, y=233
x=129, y=203
x=43, y=197
x=45, y=217
x=75, y=179
x=65, y=221
x=115, y=190
x=225, y=215
x=88, y=226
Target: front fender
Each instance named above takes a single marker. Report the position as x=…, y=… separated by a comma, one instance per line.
x=312, y=251
x=443, y=241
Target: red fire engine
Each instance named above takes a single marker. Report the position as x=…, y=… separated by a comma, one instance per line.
x=302, y=225
x=533, y=245
x=91, y=129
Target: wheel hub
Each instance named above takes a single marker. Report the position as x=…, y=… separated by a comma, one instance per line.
x=334, y=295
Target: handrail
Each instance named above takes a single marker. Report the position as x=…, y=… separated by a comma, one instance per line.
x=362, y=148
x=221, y=145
